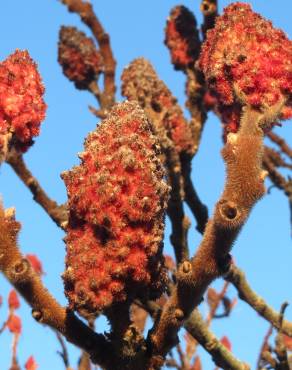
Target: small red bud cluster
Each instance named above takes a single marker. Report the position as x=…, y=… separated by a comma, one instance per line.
x=14, y=321
x=246, y=61
x=13, y=300
x=141, y=83
x=182, y=37
x=35, y=264
x=81, y=61
x=117, y=200
x=31, y=364
x=22, y=108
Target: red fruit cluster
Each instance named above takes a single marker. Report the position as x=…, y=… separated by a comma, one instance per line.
x=182, y=37
x=81, y=61
x=117, y=200
x=246, y=61
x=22, y=108
x=141, y=83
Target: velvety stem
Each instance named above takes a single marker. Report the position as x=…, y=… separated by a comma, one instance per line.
x=244, y=186
x=45, y=308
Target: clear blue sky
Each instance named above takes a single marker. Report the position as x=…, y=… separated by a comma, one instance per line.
x=264, y=247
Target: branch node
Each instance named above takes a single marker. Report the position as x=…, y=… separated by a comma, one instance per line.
x=37, y=315
x=186, y=267
x=20, y=269
x=229, y=210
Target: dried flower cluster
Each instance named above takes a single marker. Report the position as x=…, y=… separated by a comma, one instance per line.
x=81, y=61
x=247, y=62
x=141, y=83
x=182, y=37
x=117, y=198
x=22, y=108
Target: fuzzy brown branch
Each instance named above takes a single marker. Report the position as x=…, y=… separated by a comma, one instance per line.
x=276, y=158
x=58, y=213
x=270, y=164
x=87, y=15
x=277, y=179
x=45, y=308
x=285, y=148
x=245, y=292
x=243, y=188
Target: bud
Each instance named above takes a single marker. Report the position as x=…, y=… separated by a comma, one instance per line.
x=35, y=263
x=31, y=364
x=13, y=300
x=81, y=61
x=14, y=324
x=182, y=37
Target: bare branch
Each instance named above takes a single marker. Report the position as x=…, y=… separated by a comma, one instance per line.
x=57, y=213
x=45, y=308
x=285, y=148
x=244, y=186
x=245, y=292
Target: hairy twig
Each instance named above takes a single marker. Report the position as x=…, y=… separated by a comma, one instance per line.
x=57, y=213
x=276, y=158
x=285, y=148
x=45, y=308
x=244, y=186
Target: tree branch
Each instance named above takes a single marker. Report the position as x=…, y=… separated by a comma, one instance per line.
x=220, y=354
x=244, y=186
x=57, y=213
x=45, y=308
x=245, y=292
